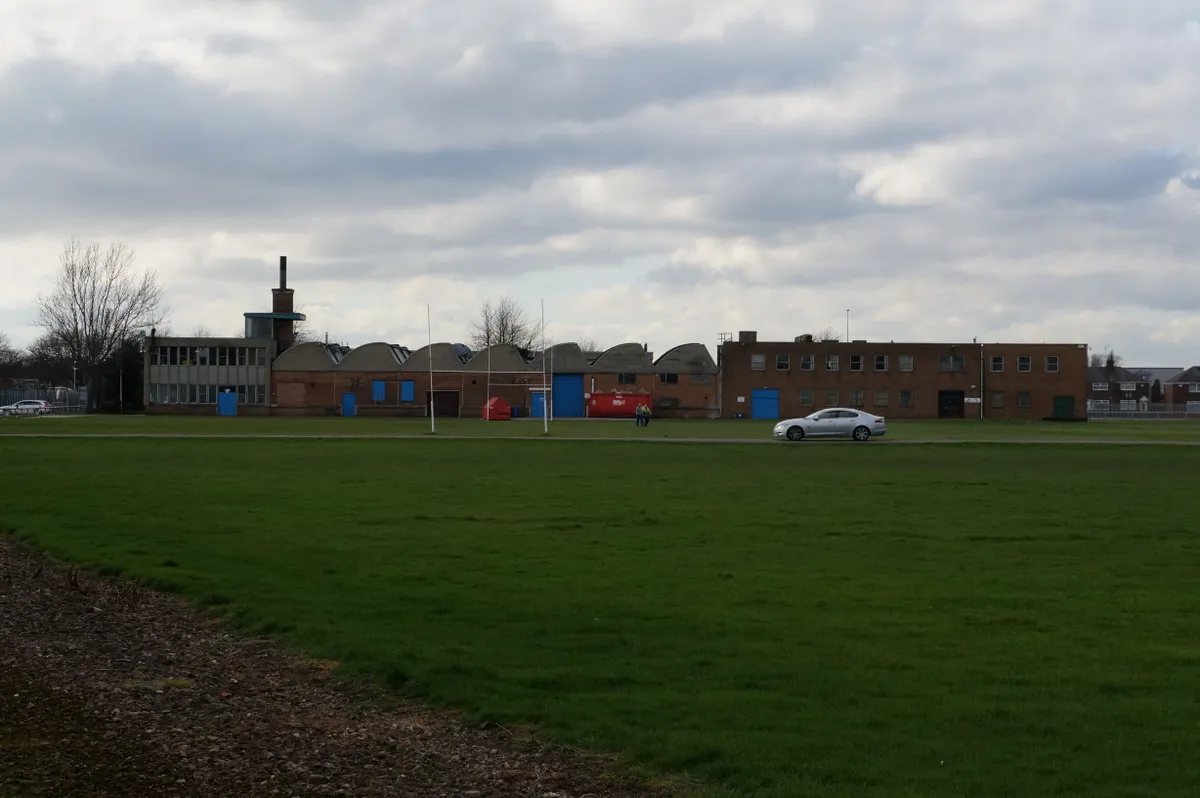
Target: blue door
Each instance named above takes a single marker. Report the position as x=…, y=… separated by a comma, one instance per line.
x=349, y=404
x=538, y=407
x=227, y=403
x=764, y=404
x=567, y=395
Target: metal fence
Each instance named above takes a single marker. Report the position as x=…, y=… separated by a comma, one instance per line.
x=61, y=400
x=1145, y=412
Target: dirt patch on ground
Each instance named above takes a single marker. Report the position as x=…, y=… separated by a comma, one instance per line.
x=107, y=689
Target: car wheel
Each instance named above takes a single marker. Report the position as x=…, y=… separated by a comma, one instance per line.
x=861, y=433
x=795, y=434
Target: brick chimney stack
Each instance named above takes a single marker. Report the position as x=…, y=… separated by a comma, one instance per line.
x=282, y=301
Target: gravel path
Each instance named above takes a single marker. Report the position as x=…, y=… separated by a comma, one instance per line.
x=111, y=690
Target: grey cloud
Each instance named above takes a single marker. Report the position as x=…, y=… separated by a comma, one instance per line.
x=149, y=145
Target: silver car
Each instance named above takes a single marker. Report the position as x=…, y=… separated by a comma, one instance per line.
x=26, y=407
x=833, y=422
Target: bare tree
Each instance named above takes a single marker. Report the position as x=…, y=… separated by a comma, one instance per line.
x=98, y=303
x=10, y=357
x=201, y=331
x=504, y=322
x=1101, y=359
x=304, y=333
x=827, y=334
x=590, y=345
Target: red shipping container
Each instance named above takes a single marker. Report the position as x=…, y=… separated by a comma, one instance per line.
x=616, y=405
x=497, y=409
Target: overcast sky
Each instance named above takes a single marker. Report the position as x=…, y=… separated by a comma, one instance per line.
x=658, y=171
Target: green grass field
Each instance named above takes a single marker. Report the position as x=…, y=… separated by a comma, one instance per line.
x=775, y=621
x=661, y=428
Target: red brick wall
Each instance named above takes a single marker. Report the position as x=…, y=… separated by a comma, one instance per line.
x=881, y=391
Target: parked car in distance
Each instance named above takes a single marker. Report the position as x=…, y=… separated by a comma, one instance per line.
x=26, y=407
x=833, y=422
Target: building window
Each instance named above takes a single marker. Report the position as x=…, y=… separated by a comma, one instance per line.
x=668, y=379
x=408, y=391
x=783, y=362
x=997, y=399
x=832, y=362
x=154, y=357
x=856, y=398
x=806, y=362
x=758, y=362
x=997, y=363
x=856, y=363
x=1024, y=363
x=881, y=398
x=906, y=362
x=1194, y=387
x=906, y=398
x=806, y=398
x=1193, y=407
x=1052, y=364
x=260, y=394
x=378, y=391
x=700, y=379
x=831, y=398
x=1023, y=400
x=626, y=379
x=1128, y=404
x=1099, y=387
x=242, y=355
x=241, y=393
x=951, y=363
x=881, y=362
x=1100, y=404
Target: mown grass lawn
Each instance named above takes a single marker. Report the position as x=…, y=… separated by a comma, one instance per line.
x=938, y=430
x=776, y=621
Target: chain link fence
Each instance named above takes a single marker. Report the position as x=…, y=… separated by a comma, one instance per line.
x=61, y=400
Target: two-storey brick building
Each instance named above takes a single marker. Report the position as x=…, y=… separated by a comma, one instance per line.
x=1183, y=390
x=779, y=379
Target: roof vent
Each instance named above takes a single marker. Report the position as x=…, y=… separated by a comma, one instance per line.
x=804, y=339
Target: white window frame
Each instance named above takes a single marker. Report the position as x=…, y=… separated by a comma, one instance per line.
x=1052, y=359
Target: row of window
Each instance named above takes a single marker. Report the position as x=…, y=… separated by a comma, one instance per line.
x=175, y=394
x=904, y=398
x=1102, y=387
x=947, y=363
x=1132, y=404
x=666, y=379
x=208, y=356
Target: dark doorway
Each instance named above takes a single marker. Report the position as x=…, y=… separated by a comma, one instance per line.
x=951, y=404
x=1064, y=407
x=445, y=403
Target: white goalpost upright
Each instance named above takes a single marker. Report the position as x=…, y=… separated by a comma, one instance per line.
x=545, y=386
x=432, y=397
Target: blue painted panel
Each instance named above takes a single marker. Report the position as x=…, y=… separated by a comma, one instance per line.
x=538, y=407
x=764, y=404
x=227, y=403
x=378, y=390
x=408, y=391
x=567, y=395
x=349, y=404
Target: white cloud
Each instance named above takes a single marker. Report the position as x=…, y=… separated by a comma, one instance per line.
x=668, y=170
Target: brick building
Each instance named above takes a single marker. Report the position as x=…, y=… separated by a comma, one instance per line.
x=779, y=379
x=1183, y=390
x=1112, y=388
x=390, y=380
